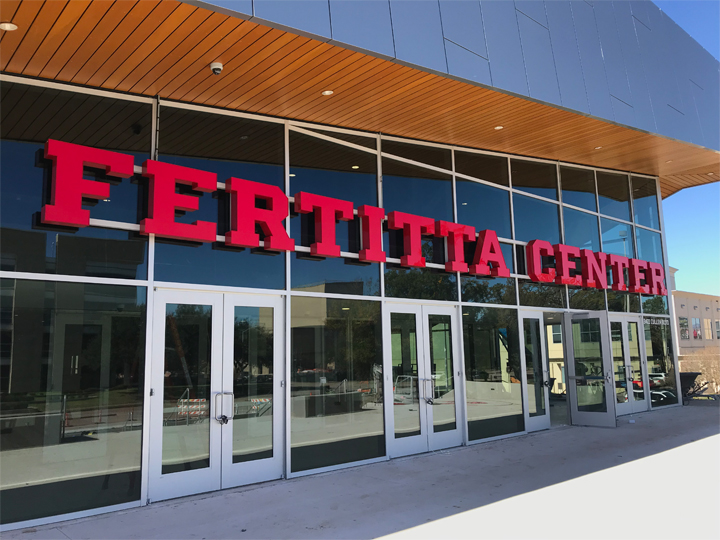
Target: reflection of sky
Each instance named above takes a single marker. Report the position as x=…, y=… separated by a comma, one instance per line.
x=484, y=207
x=308, y=273
x=535, y=219
x=360, y=188
x=419, y=196
x=617, y=238
x=649, y=245
x=581, y=229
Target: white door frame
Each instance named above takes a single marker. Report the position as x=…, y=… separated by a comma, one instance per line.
x=535, y=423
x=632, y=406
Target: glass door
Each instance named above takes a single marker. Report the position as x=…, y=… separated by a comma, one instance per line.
x=590, y=369
x=629, y=365
x=536, y=381
x=421, y=347
x=216, y=404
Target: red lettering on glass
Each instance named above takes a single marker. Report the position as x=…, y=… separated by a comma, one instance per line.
x=618, y=263
x=563, y=266
x=656, y=275
x=534, y=252
x=327, y=211
x=371, y=219
x=69, y=188
x=413, y=228
x=244, y=215
x=488, y=259
x=456, y=235
x=594, y=274
x=163, y=201
x=638, y=271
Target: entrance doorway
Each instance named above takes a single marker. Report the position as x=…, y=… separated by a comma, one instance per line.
x=629, y=365
x=217, y=401
x=422, y=357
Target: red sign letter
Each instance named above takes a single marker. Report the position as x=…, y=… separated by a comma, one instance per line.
x=655, y=278
x=68, y=185
x=635, y=275
x=371, y=218
x=563, y=266
x=327, y=212
x=244, y=215
x=413, y=228
x=456, y=235
x=593, y=269
x=534, y=252
x=618, y=263
x=487, y=252
x=163, y=201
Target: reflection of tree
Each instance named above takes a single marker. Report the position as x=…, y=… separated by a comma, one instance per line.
x=353, y=339
x=656, y=304
x=541, y=294
x=251, y=339
x=488, y=290
x=484, y=354
x=186, y=330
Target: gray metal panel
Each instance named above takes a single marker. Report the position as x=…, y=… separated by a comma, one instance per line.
x=624, y=113
x=612, y=52
x=418, y=33
x=239, y=6
x=533, y=9
x=363, y=24
x=596, y=85
x=664, y=44
x=462, y=24
x=567, y=57
x=639, y=11
x=308, y=15
x=539, y=63
x=466, y=64
x=644, y=117
x=503, y=43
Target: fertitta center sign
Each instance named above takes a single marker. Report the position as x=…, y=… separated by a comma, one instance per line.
x=546, y=263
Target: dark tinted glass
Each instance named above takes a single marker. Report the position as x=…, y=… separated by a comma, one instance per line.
x=661, y=366
x=367, y=142
x=534, y=177
x=488, y=290
x=337, y=383
x=578, y=187
x=492, y=372
x=535, y=220
x=541, y=294
x=656, y=305
x=71, y=388
x=590, y=299
x=649, y=245
x=437, y=157
x=617, y=238
x=645, y=203
x=228, y=147
x=489, y=168
x=581, y=229
x=623, y=302
x=614, y=195
x=419, y=283
x=334, y=275
x=483, y=207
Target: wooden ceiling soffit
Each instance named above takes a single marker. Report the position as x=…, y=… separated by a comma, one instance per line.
x=164, y=48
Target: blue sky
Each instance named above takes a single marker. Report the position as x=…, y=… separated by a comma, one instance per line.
x=692, y=216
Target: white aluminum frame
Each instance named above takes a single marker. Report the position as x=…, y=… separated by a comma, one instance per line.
x=539, y=422
x=632, y=406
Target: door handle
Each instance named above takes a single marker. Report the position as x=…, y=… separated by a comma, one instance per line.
x=608, y=377
x=218, y=409
x=231, y=409
x=429, y=400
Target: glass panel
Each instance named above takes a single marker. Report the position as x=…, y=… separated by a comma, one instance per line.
x=441, y=372
x=367, y=142
x=406, y=394
x=578, y=188
x=587, y=354
x=655, y=304
x=621, y=381
x=623, y=302
x=186, y=392
x=489, y=168
x=685, y=328
x=336, y=383
x=581, y=229
x=617, y=238
x=645, y=204
x=253, y=371
x=534, y=367
x=535, y=220
x=555, y=352
x=638, y=391
x=335, y=275
x=420, y=283
x=649, y=245
x=661, y=368
x=483, y=207
x=541, y=294
x=492, y=372
x=430, y=155
x=72, y=361
x=614, y=195
x=587, y=299
x=534, y=177
x=488, y=290
x=229, y=147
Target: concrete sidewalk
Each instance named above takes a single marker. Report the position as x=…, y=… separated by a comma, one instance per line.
x=656, y=478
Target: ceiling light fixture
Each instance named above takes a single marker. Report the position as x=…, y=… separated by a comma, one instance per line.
x=346, y=309
x=291, y=175
x=8, y=26
x=327, y=93
x=669, y=161
x=498, y=128
x=598, y=147
x=356, y=166
x=711, y=174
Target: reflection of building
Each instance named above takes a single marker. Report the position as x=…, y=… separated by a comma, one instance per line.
x=168, y=366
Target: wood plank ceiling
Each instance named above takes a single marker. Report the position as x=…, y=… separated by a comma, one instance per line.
x=164, y=48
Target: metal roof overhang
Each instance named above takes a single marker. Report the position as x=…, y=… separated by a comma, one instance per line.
x=164, y=48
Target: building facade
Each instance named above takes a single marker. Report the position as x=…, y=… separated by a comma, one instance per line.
x=334, y=251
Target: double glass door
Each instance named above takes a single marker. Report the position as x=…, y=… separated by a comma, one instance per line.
x=422, y=358
x=217, y=401
x=536, y=372
x=629, y=365
x=591, y=387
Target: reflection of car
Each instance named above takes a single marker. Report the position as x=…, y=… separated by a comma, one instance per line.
x=658, y=396
x=656, y=379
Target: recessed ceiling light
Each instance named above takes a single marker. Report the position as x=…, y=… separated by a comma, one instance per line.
x=244, y=138
x=346, y=309
x=8, y=26
x=464, y=204
x=711, y=173
x=498, y=128
x=291, y=175
x=669, y=161
x=598, y=147
x=356, y=166
x=327, y=93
